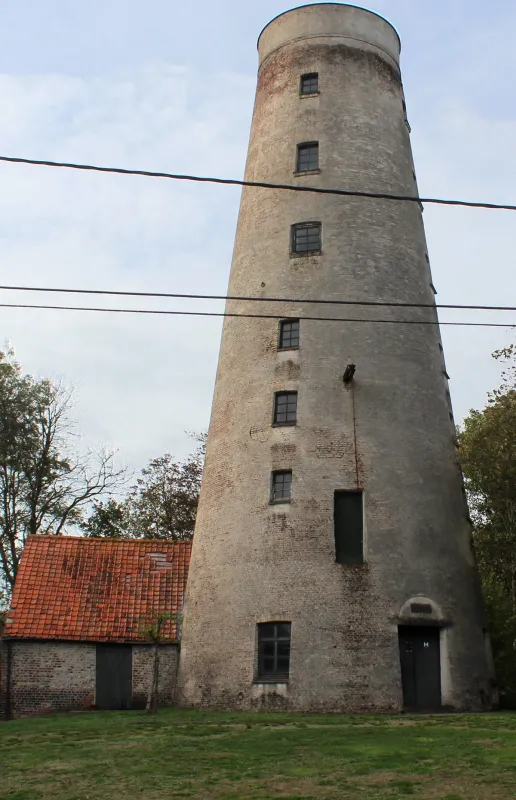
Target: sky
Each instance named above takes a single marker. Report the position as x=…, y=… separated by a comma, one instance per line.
x=169, y=86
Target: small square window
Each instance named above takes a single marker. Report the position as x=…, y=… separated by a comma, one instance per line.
x=307, y=157
x=273, y=650
x=289, y=334
x=285, y=408
x=306, y=237
x=309, y=83
x=281, y=486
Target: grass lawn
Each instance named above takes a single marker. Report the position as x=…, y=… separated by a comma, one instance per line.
x=226, y=756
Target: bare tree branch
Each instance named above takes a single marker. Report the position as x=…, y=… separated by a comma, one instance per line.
x=45, y=484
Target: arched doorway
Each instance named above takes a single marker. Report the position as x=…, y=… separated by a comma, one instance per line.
x=420, y=654
x=420, y=660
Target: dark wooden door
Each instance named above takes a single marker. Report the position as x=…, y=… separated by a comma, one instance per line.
x=420, y=668
x=114, y=676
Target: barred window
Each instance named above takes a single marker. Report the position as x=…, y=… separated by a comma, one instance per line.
x=309, y=83
x=273, y=650
x=307, y=156
x=289, y=334
x=281, y=485
x=306, y=237
x=285, y=408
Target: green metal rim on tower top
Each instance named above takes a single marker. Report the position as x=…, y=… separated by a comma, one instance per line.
x=347, y=5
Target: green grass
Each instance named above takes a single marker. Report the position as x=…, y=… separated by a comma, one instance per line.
x=222, y=756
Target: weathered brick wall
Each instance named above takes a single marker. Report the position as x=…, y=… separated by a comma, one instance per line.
x=390, y=433
x=51, y=676
x=60, y=676
x=3, y=679
x=143, y=658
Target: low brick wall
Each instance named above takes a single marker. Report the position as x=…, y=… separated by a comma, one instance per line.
x=143, y=659
x=51, y=676
x=60, y=676
x=3, y=680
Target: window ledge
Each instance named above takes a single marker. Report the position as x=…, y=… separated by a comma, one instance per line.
x=271, y=679
x=300, y=173
x=306, y=255
x=284, y=424
x=285, y=502
x=308, y=94
x=286, y=349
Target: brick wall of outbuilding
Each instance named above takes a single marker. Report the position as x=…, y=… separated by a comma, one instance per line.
x=60, y=676
x=3, y=680
x=143, y=657
x=51, y=676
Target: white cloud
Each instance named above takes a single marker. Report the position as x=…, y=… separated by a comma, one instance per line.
x=463, y=150
x=142, y=380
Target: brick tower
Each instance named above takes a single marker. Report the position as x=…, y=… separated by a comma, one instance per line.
x=332, y=565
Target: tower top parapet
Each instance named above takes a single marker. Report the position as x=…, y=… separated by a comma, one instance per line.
x=353, y=25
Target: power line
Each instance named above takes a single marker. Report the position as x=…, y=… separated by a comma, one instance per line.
x=299, y=301
x=258, y=184
x=260, y=316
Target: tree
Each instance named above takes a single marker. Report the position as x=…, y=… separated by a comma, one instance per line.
x=45, y=483
x=162, y=504
x=152, y=630
x=488, y=455
x=110, y=519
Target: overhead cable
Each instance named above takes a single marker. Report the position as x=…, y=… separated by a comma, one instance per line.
x=259, y=316
x=297, y=301
x=258, y=184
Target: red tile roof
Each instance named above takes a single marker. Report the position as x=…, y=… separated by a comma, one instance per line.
x=96, y=589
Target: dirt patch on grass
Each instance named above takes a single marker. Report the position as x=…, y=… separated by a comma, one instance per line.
x=486, y=742
x=379, y=778
x=448, y=787
x=440, y=786
x=281, y=788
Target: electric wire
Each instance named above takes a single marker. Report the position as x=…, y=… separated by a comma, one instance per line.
x=258, y=184
x=258, y=316
x=297, y=301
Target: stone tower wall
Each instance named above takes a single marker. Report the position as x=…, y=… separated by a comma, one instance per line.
x=390, y=432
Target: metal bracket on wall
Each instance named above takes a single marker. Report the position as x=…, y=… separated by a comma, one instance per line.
x=349, y=373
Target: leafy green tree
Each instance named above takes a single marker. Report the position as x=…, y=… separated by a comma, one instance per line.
x=45, y=483
x=108, y=519
x=162, y=504
x=488, y=455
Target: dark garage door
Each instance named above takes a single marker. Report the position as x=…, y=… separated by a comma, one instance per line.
x=114, y=676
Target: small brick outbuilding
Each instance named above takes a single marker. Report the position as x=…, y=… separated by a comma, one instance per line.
x=73, y=636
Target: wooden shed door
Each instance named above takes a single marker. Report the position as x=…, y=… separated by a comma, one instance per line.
x=420, y=668
x=114, y=676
